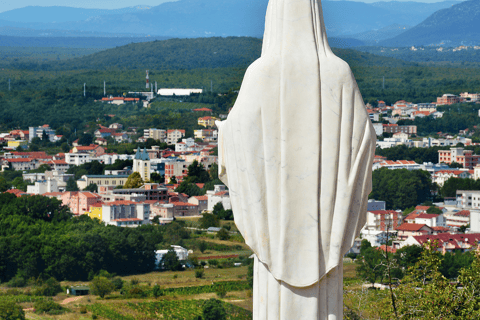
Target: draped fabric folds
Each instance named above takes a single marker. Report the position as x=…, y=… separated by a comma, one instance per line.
x=296, y=150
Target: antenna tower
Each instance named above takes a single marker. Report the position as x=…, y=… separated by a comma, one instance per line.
x=148, y=81
x=84, y=92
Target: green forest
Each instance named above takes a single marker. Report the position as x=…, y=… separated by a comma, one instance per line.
x=35, y=93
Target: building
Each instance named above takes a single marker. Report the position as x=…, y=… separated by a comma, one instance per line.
x=141, y=164
x=177, y=91
x=394, y=128
x=174, y=135
x=206, y=134
x=151, y=191
x=464, y=157
x=125, y=213
x=381, y=220
x=378, y=128
x=455, y=220
x=77, y=159
x=468, y=199
x=447, y=99
x=102, y=180
x=177, y=169
x=182, y=254
x=446, y=242
x=37, y=132
x=156, y=134
x=440, y=177
x=207, y=121
x=45, y=186
x=200, y=201
x=23, y=164
x=412, y=229
x=218, y=194
x=399, y=164
x=14, y=144
x=79, y=202
x=93, y=150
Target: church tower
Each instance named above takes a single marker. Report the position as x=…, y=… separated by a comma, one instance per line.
x=141, y=164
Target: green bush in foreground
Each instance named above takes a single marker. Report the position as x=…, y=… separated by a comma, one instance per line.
x=213, y=310
x=9, y=310
x=48, y=306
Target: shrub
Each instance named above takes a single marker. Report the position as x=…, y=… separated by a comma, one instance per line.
x=221, y=292
x=48, y=306
x=213, y=262
x=117, y=283
x=223, y=234
x=49, y=289
x=83, y=309
x=199, y=273
x=101, y=286
x=106, y=274
x=134, y=281
x=136, y=292
x=17, y=282
x=157, y=291
x=9, y=310
x=202, y=246
x=213, y=309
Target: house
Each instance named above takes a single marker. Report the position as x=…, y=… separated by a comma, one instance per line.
x=78, y=291
x=14, y=144
x=151, y=192
x=412, y=229
x=447, y=99
x=79, y=202
x=200, y=201
x=206, y=134
x=446, y=242
x=203, y=110
x=156, y=134
x=168, y=211
x=381, y=220
x=45, y=186
x=102, y=180
x=177, y=91
x=394, y=128
x=399, y=164
x=93, y=150
x=115, y=126
x=440, y=177
x=177, y=169
x=182, y=254
x=468, y=199
x=207, y=121
x=455, y=220
x=218, y=194
x=103, y=133
x=465, y=157
x=18, y=193
x=23, y=164
x=37, y=132
x=59, y=165
x=174, y=134
x=126, y=213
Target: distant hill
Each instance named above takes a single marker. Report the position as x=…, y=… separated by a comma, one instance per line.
x=56, y=14
x=72, y=42
x=213, y=52
x=458, y=25
x=374, y=36
x=205, y=18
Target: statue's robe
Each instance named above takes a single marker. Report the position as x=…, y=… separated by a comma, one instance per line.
x=296, y=152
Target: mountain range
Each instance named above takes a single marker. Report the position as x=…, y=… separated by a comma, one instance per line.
x=201, y=18
x=457, y=25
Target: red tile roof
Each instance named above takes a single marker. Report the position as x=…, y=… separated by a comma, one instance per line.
x=183, y=204
x=385, y=248
x=427, y=216
x=128, y=219
x=452, y=239
x=203, y=109
x=200, y=198
x=411, y=227
x=384, y=212
x=463, y=213
x=423, y=208
x=120, y=203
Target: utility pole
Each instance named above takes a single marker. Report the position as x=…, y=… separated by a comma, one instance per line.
x=9, y=84
x=84, y=92
x=104, y=89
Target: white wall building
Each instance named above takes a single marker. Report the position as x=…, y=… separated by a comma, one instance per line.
x=45, y=186
x=219, y=194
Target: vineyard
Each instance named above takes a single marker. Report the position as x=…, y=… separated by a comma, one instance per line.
x=227, y=286
x=175, y=310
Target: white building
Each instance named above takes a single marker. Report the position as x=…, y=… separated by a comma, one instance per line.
x=375, y=205
x=37, y=132
x=475, y=221
x=77, y=159
x=125, y=213
x=177, y=91
x=45, y=186
x=218, y=194
x=181, y=252
x=378, y=128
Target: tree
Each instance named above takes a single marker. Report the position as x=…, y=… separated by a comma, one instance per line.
x=223, y=234
x=85, y=139
x=173, y=180
x=208, y=220
x=91, y=187
x=170, y=261
x=370, y=263
x=134, y=181
x=191, y=189
x=213, y=309
x=197, y=173
x=9, y=310
x=434, y=210
x=101, y=286
x=155, y=177
x=72, y=185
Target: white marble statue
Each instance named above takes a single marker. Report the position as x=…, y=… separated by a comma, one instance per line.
x=296, y=152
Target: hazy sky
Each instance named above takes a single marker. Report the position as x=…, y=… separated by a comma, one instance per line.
x=6, y=5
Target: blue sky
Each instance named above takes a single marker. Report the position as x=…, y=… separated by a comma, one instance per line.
x=6, y=5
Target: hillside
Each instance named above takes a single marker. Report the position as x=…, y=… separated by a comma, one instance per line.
x=458, y=25
x=175, y=54
x=204, y=18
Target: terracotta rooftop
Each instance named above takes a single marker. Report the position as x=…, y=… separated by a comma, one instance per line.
x=411, y=227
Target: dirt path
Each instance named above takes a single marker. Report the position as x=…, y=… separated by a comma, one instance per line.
x=68, y=300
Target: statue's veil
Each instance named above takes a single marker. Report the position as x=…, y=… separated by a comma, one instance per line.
x=297, y=148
